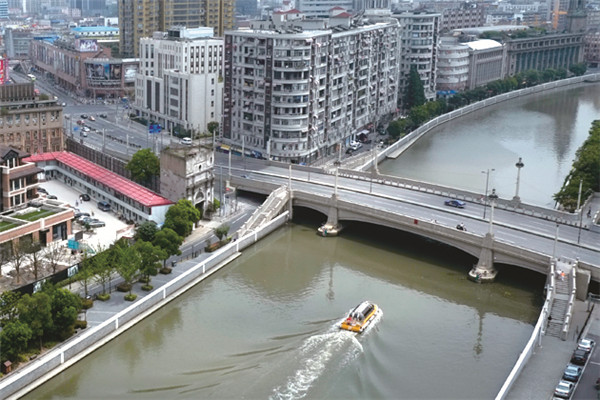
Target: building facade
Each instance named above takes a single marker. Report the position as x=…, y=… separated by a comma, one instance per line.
x=28, y=123
x=180, y=81
x=543, y=52
x=486, y=62
x=187, y=172
x=82, y=66
x=453, y=65
x=141, y=18
x=297, y=94
x=592, y=49
x=420, y=35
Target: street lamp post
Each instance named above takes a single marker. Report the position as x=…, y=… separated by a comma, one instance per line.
x=519, y=165
x=493, y=198
x=487, y=181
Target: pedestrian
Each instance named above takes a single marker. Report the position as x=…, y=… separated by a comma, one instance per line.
x=76, y=203
x=589, y=214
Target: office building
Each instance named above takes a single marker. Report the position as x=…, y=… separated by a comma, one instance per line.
x=180, y=81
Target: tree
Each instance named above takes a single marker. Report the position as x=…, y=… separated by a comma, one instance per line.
x=129, y=265
x=86, y=271
x=212, y=127
x=578, y=69
x=149, y=258
x=65, y=306
x=181, y=217
x=221, y=231
x=5, y=254
x=19, y=256
x=54, y=254
x=14, y=338
x=146, y=231
x=33, y=250
x=36, y=311
x=144, y=165
x=169, y=241
x=396, y=128
x=9, y=302
x=102, y=268
x=415, y=93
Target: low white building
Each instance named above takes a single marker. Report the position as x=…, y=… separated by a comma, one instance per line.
x=180, y=82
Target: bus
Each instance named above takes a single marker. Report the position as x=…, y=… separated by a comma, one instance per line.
x=31, y=77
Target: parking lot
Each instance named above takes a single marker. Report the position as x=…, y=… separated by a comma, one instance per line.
x=102, y=236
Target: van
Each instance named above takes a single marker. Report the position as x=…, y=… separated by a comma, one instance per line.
x=104, y=206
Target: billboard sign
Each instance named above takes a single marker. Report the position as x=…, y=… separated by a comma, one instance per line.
x=3, y=68
x=86, y=45
x=103, y=71
x=154, y=128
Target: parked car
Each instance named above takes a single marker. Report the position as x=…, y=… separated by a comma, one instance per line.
x=586, y=344
x=579, y=357
x=80, y=214
x=564, y=389
x=455, y=203
x=86, y=129
x=354, y=145
x=102, y=115
x=572, y=373
x=42, y=190
x=349, y=151
x=91, y=118
x=63, y=104
x=104, y=206
x=83, y=116
x=85, y=197
x=96, y=223
x=186, y=140
x=51, y=197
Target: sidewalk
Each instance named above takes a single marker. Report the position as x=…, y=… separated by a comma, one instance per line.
x=545, y=367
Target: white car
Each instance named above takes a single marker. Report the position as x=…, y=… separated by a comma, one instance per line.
x=354, y=145
x=186, y=140
x=586, y=344
x=564, y=389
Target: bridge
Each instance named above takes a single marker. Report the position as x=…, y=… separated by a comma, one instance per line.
x=523, y=235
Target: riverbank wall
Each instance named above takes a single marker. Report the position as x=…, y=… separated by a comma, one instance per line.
x=396, y=149
x=38, y=371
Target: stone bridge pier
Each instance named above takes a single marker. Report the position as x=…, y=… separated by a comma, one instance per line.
x=484, y=270
x=332, y=227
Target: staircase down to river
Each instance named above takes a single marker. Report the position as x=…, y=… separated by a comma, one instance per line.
x=559, y=306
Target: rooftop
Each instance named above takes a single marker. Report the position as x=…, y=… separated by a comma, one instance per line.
x=483, y=44
x=139, y=193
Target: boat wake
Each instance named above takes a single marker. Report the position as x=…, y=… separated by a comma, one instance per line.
x=328, y=351
x=317, y=353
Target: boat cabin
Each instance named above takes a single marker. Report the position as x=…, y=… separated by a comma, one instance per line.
x=362, y=311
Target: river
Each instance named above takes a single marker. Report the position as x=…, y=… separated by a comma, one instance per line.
x=265, y=326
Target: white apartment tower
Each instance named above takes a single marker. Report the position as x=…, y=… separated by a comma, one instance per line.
x=180, y=80
x=420, y=32
x=298, y=94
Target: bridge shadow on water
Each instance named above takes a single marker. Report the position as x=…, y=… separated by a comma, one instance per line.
x=454, y=261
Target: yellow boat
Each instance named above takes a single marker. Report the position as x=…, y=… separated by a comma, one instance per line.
x=360, y=317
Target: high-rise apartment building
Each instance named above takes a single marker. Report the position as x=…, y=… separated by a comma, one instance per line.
x=179, y=83
x=297, y=89
x=420, y=32
x=141, y=18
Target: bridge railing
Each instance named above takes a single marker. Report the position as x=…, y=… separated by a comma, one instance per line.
x=560, y=217
x=569, y=312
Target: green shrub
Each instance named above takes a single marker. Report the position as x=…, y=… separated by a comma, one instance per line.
x=79, y=324
x=147, y=288
x=87, y=303
x=103, y=297
x=165, y=270
x=130, y=297
x=124, y=287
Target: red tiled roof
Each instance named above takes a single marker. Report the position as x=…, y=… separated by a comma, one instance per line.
x=337, y=8
x=342, y=15
x=124, y=186
x=292, y=11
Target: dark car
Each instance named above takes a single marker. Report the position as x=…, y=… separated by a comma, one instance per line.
x=81, y=215
x=42, y=190
x=455, y=203
x=85, y=197
x=51, y=197
x=103, y=115
x=83, y=116
x=580, y=357
x=104, y=206
x=572, y=373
